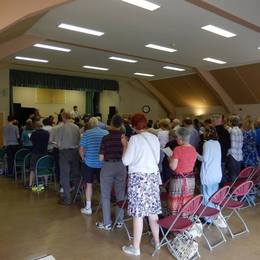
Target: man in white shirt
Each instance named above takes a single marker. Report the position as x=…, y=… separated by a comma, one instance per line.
x=74, y=113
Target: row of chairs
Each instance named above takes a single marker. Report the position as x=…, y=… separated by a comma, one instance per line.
x=44, y=166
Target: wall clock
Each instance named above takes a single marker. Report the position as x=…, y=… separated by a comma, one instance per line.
x=146, y=109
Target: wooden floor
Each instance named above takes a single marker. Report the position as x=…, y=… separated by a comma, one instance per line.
x=32, y=226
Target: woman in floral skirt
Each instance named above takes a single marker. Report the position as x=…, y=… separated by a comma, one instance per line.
x=142, y=155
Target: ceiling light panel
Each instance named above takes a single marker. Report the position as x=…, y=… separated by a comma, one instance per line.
x=214, y=60
x=122, y=59
x=95, y=68
x=143, y=74
x=159, y=47
x=143, y=4
x=173, y=68
x=51, y=47
x=80, y=29
x=31, y=59
x=219, y=31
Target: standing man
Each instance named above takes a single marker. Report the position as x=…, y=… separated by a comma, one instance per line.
x=11, y=136
x=40, y=140
x=235, y=154
x=74, y=113
x=68, y=144
x=113, y=172
x=224, y=140
x=89, y=152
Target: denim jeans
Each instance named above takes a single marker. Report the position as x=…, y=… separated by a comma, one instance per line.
x=208, y=191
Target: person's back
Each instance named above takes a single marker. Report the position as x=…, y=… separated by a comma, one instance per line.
x=91, y=141
x=140, y=157
x=186, y=155
x=11, y=134
x=26, y=134
x=40, y=139
x=211, y=171
x=224, y=140
x=69, y=136
x=236, y=137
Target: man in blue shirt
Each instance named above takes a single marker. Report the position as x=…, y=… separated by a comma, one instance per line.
x=89, y=152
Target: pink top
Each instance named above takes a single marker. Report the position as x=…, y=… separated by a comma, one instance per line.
x=186, y=156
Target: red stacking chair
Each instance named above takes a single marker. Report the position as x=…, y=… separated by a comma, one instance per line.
x=235, y=202
x=256, y=188
x=205, y=211
x=244, y=175
x=178, y=223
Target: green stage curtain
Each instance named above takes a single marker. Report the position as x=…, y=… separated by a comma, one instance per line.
x=90, y=102
x=20, y=78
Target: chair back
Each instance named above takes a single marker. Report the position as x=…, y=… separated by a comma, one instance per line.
x=219, y=196
x=246, y=173
x=2, y=153
x=45, y=162
x=191, y=206
x=21, y=153
x=243, y=189
x=27, y=160
x=256, y=177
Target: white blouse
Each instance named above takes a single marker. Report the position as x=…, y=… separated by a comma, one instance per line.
x=211, y=172
x=140, y=156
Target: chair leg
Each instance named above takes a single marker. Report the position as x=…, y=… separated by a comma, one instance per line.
x=245, y=230
x=77, y=191
x=212, y=246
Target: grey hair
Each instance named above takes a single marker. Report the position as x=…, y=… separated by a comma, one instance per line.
x=183, y=134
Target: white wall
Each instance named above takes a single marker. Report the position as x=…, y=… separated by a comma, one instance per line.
x=27, y=98
x=249, y=109
x=202, y=112
x=133, y=96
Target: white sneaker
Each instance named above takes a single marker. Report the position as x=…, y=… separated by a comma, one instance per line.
x=220, y=222
x=61, y=190
x=130, y=250
x=87, y=211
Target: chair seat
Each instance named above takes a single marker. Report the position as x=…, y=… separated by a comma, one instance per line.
x=232, y=204
x=207, y=211
x=181, y=224
x=43, y=172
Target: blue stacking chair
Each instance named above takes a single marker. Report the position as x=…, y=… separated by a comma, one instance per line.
x=45, y=167
x=19, y=160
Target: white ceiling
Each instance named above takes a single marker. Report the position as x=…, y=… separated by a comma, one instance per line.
x=128, y=28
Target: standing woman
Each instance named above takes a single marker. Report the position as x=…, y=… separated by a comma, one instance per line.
x=182, y=182
x=249, y=145
x=142, y=155
x=210, y=172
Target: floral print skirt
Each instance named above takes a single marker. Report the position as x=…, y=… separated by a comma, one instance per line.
x=143, y=194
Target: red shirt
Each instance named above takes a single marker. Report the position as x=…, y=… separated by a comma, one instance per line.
x=186, y=156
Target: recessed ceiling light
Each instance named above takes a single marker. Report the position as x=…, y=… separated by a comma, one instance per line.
x=30, y=59
x=51, y=47
x=143, y=4
x=258, y=48
x=80, y=29
x=94, y=68
x=122, y=59
x=158, y=47
x=143, y=74
x=173, y=68
x=219, y=31
x=214, y=60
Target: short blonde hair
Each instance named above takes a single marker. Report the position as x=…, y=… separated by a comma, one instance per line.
x=93, y=121
x=165, y=123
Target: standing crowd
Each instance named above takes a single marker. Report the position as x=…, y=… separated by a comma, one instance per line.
x=132, y=157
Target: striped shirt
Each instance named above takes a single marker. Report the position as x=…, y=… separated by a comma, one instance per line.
x=111, y=146
x=90, y=142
